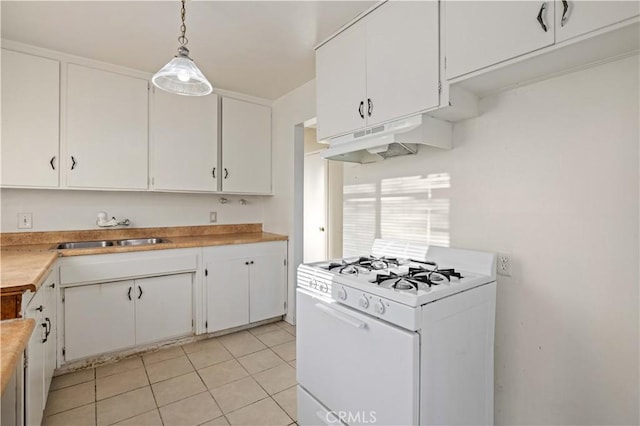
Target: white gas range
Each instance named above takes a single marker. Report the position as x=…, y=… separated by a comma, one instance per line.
x=401, y=337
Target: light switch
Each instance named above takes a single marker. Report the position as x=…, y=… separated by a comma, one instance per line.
x=25, y=220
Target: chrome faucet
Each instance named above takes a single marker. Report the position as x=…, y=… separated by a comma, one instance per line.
x=103, y=222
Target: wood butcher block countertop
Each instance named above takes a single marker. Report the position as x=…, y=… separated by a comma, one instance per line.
x=14, y=336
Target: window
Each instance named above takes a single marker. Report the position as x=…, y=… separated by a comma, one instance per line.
x=412, y=208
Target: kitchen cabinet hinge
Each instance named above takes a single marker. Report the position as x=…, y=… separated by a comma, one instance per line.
x=26, y=360
x=64, y=351
x=285, y=262
x=445, y=62
x=206, y=325
x=206, y=272
x=192, y=323
x=285, y=304
x=62, y=299
x=439, y=87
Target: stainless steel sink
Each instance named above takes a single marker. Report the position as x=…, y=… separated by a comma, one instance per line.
x=84, y=244
x=97, y=244
x=140, y=241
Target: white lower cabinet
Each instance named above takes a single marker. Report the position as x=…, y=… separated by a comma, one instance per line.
x=163, y=307
x=244, y=283
x=227, y=285
x=40, y=360
x=106, y=317
x=34, y=372
x=98, y=318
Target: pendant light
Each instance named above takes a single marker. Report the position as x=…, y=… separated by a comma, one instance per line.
x=181, y=75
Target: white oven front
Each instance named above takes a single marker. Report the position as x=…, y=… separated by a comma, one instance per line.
x=363, y=370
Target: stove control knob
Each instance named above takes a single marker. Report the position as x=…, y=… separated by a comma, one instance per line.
x=342, y=294
x=364, y=302
x=379, y=307
x=314, y=283
x=323, y=288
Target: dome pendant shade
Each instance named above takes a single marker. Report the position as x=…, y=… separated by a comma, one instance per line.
x=182, y=77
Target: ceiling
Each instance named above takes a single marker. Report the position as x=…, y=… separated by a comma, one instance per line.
x=260, y=48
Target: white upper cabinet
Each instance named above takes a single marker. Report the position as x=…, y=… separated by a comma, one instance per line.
x=107, y=129
x=340, y=83
x=246, y=147
x=403, y=66
x=481, y=33
x=574, y=18
x=383, y=67
x=30, y=120
x=184, y=147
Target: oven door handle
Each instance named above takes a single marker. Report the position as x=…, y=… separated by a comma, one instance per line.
x=348, y=319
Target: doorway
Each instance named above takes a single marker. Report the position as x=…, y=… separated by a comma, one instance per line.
x=322, y=201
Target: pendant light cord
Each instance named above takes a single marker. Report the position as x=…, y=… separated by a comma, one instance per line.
x=183, y=40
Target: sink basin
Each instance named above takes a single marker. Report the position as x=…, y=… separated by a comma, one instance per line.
x=96, y=244
x=140, y=241
x=84, y=244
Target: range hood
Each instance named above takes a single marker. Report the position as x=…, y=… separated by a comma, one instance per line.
x=401, y=137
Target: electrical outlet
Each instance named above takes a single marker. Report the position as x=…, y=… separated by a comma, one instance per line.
x=504, y=264
x=25, y=220
x=213, y=217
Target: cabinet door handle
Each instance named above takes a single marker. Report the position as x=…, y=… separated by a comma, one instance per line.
x=129, y=293
x=40, y=308
x=226, y=173
x=252, y=262
x=540, y=18
x=360, y=109
x=73, y=162
x=51, y=162
x=46, y=335
x=48, y=328
x=213, y=172
x=246, y=263
x=140, y=292
x=565, y=9
x=369, y=107
x=53, y=285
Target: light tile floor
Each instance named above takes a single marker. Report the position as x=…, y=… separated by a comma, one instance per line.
x=244, y=378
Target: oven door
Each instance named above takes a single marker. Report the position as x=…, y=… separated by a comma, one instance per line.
x=364, y=370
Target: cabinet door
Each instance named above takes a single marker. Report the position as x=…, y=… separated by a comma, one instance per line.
x=185, y=142
x=34, y=375
x=341, y=83
x=163, y=307
x=246, y=147
x=581, y=17
x=267, y=284
x=227, y=293
x=403, y=60
x=107, y=121
x=50, y=288
x=30, y=120
x=98, y=318
x=483, y=33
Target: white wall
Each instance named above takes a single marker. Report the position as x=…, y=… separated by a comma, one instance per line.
x=55, y=210
x=282, y=213
x=549, y=174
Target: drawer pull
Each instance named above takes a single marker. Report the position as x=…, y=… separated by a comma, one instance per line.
x=540, y=18
x=565, y=9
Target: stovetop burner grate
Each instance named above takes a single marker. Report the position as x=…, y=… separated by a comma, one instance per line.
x=416, y=277
x=369, y=263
